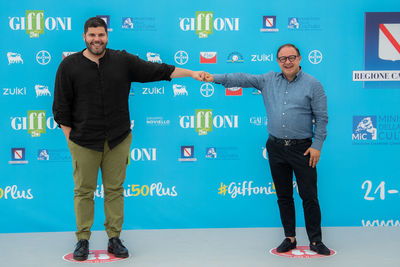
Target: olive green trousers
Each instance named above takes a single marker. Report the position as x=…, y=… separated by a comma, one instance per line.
x=86, y=163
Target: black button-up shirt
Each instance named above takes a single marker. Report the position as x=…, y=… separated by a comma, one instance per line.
x=93, y=99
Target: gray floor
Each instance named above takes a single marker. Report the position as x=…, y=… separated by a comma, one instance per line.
x=209, y=247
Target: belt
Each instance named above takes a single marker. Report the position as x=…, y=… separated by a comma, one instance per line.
x=289, y=142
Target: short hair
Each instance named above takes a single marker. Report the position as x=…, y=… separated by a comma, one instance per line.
x=95, y=22
x=288, y=45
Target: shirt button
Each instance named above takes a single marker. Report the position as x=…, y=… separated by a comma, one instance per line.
x=283, y=126
x=286, y=136
x=286, y=92
x=283, y=113
x=284, y=102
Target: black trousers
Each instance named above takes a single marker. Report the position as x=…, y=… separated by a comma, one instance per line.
x=284, y=160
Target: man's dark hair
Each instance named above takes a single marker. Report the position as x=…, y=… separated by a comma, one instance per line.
x=95, y=22
x=288, y=45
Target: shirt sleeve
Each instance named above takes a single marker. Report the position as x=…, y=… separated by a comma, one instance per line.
x=320, y=113
x=244, y=80
x=63, y=97
x=145, y=71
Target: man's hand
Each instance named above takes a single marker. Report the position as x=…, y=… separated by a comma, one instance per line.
x=208, y=78
x=315, y=154
x=198, y=75
x=66, y=131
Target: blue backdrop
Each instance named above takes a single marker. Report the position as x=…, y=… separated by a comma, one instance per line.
x=183, y=176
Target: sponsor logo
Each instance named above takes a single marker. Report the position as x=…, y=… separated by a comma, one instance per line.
x=153, y=91
x=381, y=51
x=36, y=123
x=222, y=153
x=235, y=57
x=43, y=57
x=255, y=92
x=204, y=23
x=14, y=91
x=107, y=20
x=66, y=54
x=204, y=121
x=144, y=154
x=14, y=58
x=304, y=23
x=315, y=57
x=12, y=192
x=95, y=256
x=301, y=252
x=233, y=91
x=258, y=120
x=187, y=153
x=139, y=23
x=264, y=153
x=54, y=155
x=43, y=154
x=34, y=23
x=269, y=24
x=153, y=57
x=127, y=23
x=18, y=156
x=207, y=89
x=208, y=57
x=42, y=90
x=262, y=57
x=181, y=57
x=376, y=129
x=380, y=223
x=179, y=90
x=157, y=121
x=364, y=128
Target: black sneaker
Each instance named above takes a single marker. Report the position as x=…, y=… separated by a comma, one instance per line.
x=286, y=245
x=115, y=247
x=320, y=248
x=81, y=251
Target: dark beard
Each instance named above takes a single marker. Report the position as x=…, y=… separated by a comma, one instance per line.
x=94, y=52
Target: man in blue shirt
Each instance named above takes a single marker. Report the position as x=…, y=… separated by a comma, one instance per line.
x=296, y=108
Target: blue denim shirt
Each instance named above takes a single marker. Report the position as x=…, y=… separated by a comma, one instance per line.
x=295, y=109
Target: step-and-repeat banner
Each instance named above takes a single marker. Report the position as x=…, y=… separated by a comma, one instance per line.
x=198, y=157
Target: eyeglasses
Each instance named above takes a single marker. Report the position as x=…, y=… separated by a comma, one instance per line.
x=291, y=58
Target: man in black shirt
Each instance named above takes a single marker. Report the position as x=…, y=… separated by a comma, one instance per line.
x=91, y=106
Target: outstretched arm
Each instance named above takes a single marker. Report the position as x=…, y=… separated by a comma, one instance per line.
x=180, y=73
x=236, y=80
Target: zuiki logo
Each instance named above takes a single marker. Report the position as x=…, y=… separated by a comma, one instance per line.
x=187, y=153
x=14, y=91
x=34, y=23
x=18, y=156
x=153, y=57
x=380, y=130
x=204, y=24
x=14, y=58
x=36, y=123
x=179, y=90
x=203, y=121
x=144, y=154
x=364, y=128
x=262, y=57
x=235, y=57
x=153, y=91
x=42, y=90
